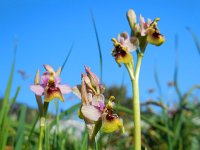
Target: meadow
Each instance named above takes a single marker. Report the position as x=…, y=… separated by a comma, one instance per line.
x=106, y=117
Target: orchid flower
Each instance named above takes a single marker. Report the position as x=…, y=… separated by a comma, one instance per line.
x=153, y=34
x=147, y=29
x=144, y=25
x=49, y=85
x=123, y=46
x=93, y=107
x=141, y=34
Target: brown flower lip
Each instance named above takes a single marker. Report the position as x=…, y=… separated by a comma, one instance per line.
x=110, y=116
x=118, y=51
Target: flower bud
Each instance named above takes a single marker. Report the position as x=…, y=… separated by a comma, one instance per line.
x=37, y=77
x=131, y=16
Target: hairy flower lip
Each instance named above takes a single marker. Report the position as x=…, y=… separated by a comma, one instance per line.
x=120, y=50
x=52, y=93
x=154, y=37
x=121, y=55
x=111, y=123
x=111, y=116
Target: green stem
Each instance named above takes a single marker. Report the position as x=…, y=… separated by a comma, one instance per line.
x=136, y=116
x=91, y=143
x=136, y=102
x=91, y=139
x=42, y=128
x=42, y=125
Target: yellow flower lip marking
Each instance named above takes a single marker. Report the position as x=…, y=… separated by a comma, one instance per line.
x=111, y=122
x=52, y=91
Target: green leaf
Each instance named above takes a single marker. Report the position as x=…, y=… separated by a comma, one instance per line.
x=31, y=133
x=20, y=132
x=67, y=57
x=5, y=105
x=196, y=41
x=150, y=122
x=85, y=140
x=99, y=47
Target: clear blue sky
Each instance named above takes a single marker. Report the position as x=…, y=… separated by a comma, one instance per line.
x=46, y=30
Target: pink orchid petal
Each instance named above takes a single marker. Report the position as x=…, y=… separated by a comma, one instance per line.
x=65, y=89
x=122, y=37
x=91, y=113
x=142, y=23
x=90, y=74
x=45, y=79
x=89, y=96
x=84, y=97
x=95, y=103
x=99, y=104
x=132, y=44
x=57, y=73
x=49, y=68
x=99, y=98
x=102, y=106
x=76, y=90
x=141, y=20
x=37, y=89
x=98, y=101
x=57, y=80
x=149, y=21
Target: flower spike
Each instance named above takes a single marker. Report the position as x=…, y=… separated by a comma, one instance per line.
x=94, y=111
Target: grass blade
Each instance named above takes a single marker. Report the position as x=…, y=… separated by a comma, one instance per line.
x=158, y=83
x=85, y=140
x=31, y=133
x=16, y=94
x=67, y=57
x=20, y=132
x=194, y=38
x=176, y=69
x=7, y=95
x=129, y=111
x=99, y=46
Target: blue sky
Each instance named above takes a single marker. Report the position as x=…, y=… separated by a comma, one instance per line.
x=45, y=31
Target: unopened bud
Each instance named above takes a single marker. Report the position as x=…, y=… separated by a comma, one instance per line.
x=37, y=77
x=131, y=16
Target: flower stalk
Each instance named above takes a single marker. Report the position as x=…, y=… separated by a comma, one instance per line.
x=42, y=129
x=94, y=111
x=136, y=104
x=134, y=76
x=48, y=85
x=42, y=125
x=142, y=34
